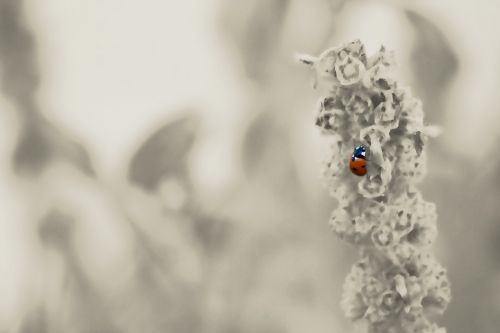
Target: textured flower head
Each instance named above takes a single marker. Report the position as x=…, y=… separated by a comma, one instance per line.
x=386, y=291
x=345, y=65
x=397, y=283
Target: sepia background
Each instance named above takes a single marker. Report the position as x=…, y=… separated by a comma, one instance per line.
x=160, y=165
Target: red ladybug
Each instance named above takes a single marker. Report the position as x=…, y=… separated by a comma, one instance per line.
x=358, y=162
x=358, y=166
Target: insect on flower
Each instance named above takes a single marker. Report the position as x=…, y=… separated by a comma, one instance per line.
x=358, y=162
x=397, y=286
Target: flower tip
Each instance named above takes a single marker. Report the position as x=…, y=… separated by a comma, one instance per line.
x=400, y=286
x=305, y=59
x=432, y=130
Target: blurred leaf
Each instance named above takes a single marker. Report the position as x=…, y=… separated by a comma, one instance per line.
x=211, y=232
x=487, y=183
x=267, y=155
x=165, y=301
x=20, y=75
x=56, y=228
x=88, y=312
x=488, y=177
x=167, y=305
x=35, y=322
x=164, y=153
x=41, y=142
x=257, y=34
x=434, y=62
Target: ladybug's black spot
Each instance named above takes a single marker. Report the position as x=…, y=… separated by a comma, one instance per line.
x=364, y=166
x=353, y=169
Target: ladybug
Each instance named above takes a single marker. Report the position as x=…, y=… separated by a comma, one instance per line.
x=359, y=152
x=358, y=162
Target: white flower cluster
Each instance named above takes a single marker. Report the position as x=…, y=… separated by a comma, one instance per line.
x=396, y=284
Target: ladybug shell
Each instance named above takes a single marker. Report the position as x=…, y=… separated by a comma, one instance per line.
x=358, y=166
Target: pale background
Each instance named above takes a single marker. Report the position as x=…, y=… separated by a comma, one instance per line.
x=160, y=168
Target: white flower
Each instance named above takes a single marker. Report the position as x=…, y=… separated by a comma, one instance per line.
x=397, y=281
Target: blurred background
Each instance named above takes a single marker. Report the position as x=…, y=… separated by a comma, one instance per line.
x=160, y=167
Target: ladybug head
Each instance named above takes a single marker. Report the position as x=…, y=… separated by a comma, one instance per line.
x=359, y=152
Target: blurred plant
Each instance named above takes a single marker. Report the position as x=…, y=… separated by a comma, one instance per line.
x=256, y=31
x=274, y=178
x=397, y=286
x=162, y=239
x=434, y=63
x=40, y=142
